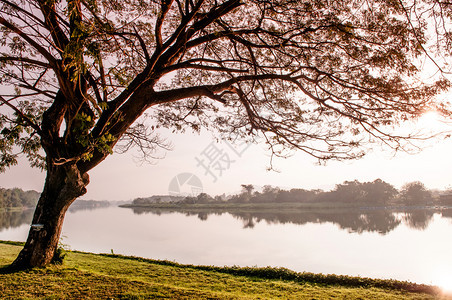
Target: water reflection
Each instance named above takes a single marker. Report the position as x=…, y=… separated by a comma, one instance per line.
x=419, y=219
x=87, y=205
x=12, y=219
x=359, y=221
x=16, y=218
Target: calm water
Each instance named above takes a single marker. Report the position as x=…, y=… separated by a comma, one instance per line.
x=414, y=245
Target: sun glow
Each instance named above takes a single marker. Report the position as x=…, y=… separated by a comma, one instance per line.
x=432, y=121
x=443, y=280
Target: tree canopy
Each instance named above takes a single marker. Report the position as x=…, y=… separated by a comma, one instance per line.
x=309, y=75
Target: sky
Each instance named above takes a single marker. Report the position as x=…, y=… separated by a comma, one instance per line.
x=221, y=168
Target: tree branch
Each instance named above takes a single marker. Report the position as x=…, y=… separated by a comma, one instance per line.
x=6, y=58
x=31, y=41
x=188, y=65
x=22, y=115
x=51, y=20
x=164, y=8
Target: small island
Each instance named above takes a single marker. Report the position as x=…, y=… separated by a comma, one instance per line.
x=350, y=194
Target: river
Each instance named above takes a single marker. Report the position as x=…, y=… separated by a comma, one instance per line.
x=412, y=245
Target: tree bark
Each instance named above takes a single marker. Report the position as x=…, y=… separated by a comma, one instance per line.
x=63, y=185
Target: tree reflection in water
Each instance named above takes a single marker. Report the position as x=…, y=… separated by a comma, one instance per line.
x=12, y=219
x=359, y=221
x=419, y=219
x=16, y=218
x=381, y=221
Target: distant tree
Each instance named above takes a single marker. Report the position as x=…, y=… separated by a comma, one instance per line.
x=349, y=192
x=189, y=200
x=379, y=192
x=245, y=195
x=204, y=198
x=235, y=199
x=297, y=195
x=268, y=189
x=445, y=198
x=219, y=198
x=415, y=193
x=140, y=201
x=15, y=199
x=285, y=196
x=30, y=198
x=2, y=198
x=322, y=77
x=247, y=188
x=18, y=198
x=267, y=195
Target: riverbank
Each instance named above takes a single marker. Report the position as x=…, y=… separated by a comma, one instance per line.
x=13, y=209
x=288, y=206
x=86, y=275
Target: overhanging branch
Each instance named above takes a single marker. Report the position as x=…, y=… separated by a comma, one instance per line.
x=22, y=115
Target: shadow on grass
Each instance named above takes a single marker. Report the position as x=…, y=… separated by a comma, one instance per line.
x=9, y=269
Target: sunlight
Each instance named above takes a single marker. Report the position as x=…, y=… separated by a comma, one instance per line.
x=443, y=279
x=429, y=124
x=431, y=120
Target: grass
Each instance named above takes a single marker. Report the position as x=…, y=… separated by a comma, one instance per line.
x=92, y=276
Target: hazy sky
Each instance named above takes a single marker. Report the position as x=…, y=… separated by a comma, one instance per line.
x=121, y=177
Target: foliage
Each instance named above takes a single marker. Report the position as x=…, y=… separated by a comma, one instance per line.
x=59, y=256
x=415, y=193
x=17, y=198
x=375, y=193
x=322, y=77
x=156, y=199
x=60, y=252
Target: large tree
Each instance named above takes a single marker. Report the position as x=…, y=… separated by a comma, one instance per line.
x=77, y=76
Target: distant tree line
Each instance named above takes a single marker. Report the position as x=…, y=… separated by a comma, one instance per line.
x=375, y=193
x=18, y=198
x=156, y=199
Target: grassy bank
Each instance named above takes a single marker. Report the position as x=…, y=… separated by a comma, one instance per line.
x=90, y=276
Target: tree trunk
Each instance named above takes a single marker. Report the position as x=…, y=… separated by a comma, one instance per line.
x=63, y=185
